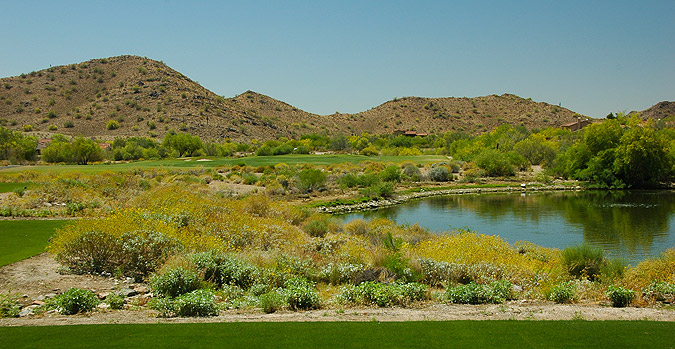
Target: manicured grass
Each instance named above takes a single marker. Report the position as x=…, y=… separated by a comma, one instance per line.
x=21, y=239
x=9, y=187
x=292, y=159
x=470, y=334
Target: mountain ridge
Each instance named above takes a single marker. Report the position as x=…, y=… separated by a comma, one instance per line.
x=145, y=97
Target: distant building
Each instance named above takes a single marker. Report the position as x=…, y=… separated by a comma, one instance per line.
x=410, y=133
x=42, y=143
x=577, y=125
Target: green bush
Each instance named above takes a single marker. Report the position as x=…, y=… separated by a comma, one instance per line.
x=583, y=261
x=144, y=251
x=195, y=303
x=301, y=294
x=439, y=174
x=223, y=269
x=317, y=227
x=473, y=293
x=563, y=293
x=75, y=301
x=115, y=301
x=382, y=295
x=9, y=307
x=620, y=296
x=310, y=180
x=339, y=273
x=174, y=282
x=439, y=273
x=659, y=292
x=400, y=266
x=272, y=301
x=112, y=125
x=495, y=163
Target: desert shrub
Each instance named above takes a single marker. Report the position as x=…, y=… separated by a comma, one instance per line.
x=400, y=266
x=612, y=269
x=115, y=301
x=412, y=172
x=9, y=307
x=494, y=163
x=272, y=301
x=317, y=227
x=583, y=261
x=391, y=173
x=223, y=269
x=383, y=295
x=564, y=292
x=301, y=294
x=348, y=180
x=473, y=293
x=435, y=273
x=195, y=303
x=75, y=301
x=369, y=151
x=659, y=292
x=620, y=296
x=112, y=125
x=173, y=282
x=91, y=252
x=144, y=251
x=292, y=266
x=339, y=273
x=310, y=180
x=439, y=174
x=661, y=269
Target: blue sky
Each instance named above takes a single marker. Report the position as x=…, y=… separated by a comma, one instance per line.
x=593, y=57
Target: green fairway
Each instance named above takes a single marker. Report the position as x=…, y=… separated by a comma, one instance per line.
x=9, y=187
x=21, y=239
x=474, y=334
x=250, y=161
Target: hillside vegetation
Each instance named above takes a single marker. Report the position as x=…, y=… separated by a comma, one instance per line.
x=134, y=96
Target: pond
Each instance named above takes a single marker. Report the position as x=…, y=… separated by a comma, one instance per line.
x=630, y=225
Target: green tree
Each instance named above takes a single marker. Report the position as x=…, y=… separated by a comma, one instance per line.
x=184, y=143
x=86, y=150
x=642, y=159
x=311, y=179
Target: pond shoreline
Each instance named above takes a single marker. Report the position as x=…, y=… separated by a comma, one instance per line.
x=403, y=198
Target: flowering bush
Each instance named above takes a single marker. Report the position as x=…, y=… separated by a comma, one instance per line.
x=383, y=295
x=75, y=301
x=174, y=282
x=473, y=293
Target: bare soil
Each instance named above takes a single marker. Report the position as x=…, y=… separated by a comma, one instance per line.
x=38, y=276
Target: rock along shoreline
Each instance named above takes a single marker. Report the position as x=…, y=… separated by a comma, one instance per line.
x=402, y=198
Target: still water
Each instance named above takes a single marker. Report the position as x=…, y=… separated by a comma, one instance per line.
x=631, y=225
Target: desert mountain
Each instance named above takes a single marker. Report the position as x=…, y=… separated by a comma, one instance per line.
x=661, y=110
x=136, y=96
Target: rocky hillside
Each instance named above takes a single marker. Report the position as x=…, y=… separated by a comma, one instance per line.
x=129, y=95
x=661, y=110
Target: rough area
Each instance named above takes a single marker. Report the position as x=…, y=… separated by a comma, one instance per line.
x=37, y=279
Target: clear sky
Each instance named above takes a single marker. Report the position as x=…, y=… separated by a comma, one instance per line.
x=593, y=57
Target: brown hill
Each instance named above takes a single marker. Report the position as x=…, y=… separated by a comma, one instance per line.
x=661, y=110
x=147, y=98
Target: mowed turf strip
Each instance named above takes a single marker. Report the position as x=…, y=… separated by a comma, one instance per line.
x=452, y=334
x=10, y=187
x=290, y=159
x=21, y=239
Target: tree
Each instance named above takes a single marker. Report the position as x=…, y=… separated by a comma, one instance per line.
x=184, y=143
x=310, y=180
x=86, y=150
x=642, y=158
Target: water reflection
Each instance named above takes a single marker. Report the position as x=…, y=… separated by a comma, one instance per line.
x=632, y=225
